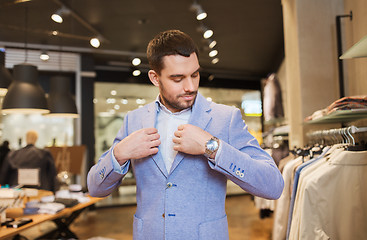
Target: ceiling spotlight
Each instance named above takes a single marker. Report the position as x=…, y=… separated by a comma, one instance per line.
x=44, y=56
x=200, y=13
x=213, y=53
x=136, y=73
x=95, y=42
x=208, y=33
x=212, y=43
x=54, y=33
x=136, y=61
x=215, y=60
x=57, y=16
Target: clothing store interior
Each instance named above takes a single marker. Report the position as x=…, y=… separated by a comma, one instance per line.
x=72, y=70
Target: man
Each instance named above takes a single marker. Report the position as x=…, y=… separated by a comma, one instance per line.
x=30, y=157
x=183, y=149
x=4, y=150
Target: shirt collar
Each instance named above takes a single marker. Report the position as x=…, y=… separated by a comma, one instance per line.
x=160, y=106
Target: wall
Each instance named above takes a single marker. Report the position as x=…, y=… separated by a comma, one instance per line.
x=356, y=69
x=311, y=60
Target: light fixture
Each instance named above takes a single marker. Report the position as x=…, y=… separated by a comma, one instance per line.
x=208, y=33
x=212, y=43
x=25, y=94
x=124, y=101
x=60, y=100
x=136, y=61
x=136, y=72
x=44, y=56
x=5, y=76
x=215, y=60
x=95, y=42
x=57, y=16
x=200, y=13
x=213, y=53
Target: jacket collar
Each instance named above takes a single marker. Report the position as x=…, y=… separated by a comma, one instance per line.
x=200, y=117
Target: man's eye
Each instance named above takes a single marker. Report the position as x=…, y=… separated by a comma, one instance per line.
x=195, y=75
x=177, y=79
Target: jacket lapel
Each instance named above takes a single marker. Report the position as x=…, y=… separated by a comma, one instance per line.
x=200, y=117
x=149, y=122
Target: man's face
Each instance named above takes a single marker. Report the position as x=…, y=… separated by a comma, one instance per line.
x=178, y=82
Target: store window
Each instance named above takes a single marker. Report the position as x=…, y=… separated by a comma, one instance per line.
x=51, y=131
x=113, y=100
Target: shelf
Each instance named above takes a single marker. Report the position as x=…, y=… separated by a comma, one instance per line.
x=341, y=116
x=358, y=50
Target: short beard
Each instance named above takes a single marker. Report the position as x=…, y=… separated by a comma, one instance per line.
x=177, y=105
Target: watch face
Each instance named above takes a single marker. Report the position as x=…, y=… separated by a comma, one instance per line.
x=212, y=145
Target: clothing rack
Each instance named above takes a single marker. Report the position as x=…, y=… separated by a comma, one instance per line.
x=345, y=133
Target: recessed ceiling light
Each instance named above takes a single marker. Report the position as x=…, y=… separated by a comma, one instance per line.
x=136, y=61
x=215, y=60
x=213, y=53
x=136, y=73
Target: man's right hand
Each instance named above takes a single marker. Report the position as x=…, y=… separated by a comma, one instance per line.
x=139, y=144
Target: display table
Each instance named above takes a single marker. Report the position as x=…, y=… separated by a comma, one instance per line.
x=63, y=219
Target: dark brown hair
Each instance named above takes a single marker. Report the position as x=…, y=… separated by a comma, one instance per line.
x=170, y=42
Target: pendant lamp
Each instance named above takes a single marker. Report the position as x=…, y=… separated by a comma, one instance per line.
x=60, y=100
x=25, y=94
x=5, y=76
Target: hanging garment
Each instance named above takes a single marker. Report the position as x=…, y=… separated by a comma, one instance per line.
x=305, y=175
x=282, y=204
x=335, y=202
x=273, y=105
x=295, y=184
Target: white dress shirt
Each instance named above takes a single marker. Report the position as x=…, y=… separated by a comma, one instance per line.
x=167, y=123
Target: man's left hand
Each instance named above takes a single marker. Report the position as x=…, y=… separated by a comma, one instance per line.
x=190, y=139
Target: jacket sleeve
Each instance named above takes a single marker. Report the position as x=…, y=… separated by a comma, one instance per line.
x=5, y=170
x=51, y=172
x=245, y=163
x=104, y=176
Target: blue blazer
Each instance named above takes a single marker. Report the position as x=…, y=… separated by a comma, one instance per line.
x=189, y=202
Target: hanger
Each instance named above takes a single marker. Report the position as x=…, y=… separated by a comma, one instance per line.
x=354, y=147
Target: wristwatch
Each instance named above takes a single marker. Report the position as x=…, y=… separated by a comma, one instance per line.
x=211, y=146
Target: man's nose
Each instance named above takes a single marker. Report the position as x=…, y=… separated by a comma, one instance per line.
x=189, y=85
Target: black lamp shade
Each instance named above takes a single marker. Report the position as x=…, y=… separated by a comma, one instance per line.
x=60, y=100
x=25, y=94
x=5, y=76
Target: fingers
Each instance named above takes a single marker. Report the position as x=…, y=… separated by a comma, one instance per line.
x=155, y=143
x=150, y=131
x=153, y=137
x=177, y=134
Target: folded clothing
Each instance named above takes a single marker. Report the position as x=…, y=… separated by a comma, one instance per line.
x=348, y=103
x=51, y=208
x=68, y=202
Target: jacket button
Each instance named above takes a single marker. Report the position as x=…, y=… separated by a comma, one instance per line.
x=169, y=185
x=163, y=215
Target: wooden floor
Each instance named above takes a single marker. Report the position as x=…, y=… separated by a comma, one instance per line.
x=116, y=223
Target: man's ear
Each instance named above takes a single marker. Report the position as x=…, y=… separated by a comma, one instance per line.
x=154, y=77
